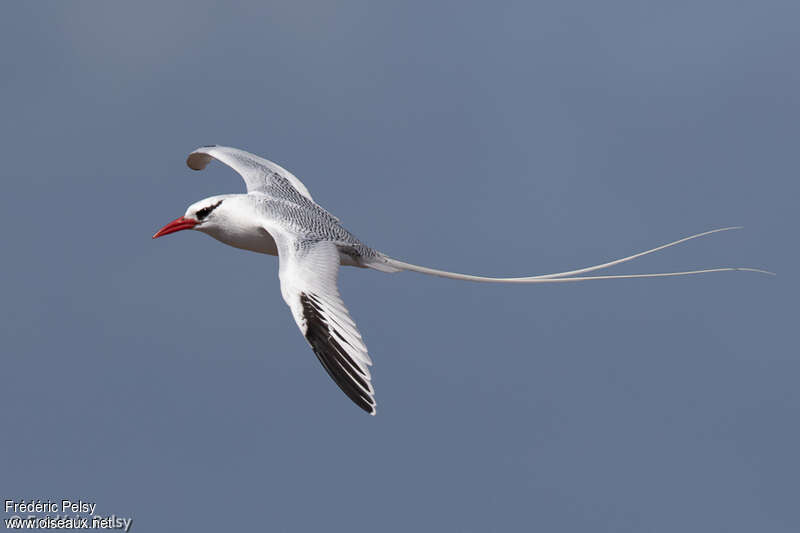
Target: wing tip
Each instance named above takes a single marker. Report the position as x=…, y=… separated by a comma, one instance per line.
x=348, y=375
x=371, y=407
x=199, y=158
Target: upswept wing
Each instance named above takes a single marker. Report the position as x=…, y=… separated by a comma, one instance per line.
x=308, y=274
x=256, y=171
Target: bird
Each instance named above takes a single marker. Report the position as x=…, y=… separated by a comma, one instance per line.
x=278, y=216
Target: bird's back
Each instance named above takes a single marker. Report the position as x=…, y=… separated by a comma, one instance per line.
x=282, y=203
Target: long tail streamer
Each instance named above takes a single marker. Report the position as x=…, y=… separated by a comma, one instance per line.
x=571, y=275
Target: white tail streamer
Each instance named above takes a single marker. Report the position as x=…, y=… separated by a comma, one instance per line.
x=570, y=275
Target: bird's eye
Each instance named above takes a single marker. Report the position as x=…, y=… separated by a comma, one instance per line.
x=203, y=213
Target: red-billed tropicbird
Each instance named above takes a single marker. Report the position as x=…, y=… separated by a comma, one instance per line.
x=277, y=216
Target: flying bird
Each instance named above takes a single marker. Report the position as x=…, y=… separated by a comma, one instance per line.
x=278, y=216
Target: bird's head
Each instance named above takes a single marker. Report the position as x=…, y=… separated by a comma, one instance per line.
x=204, y=215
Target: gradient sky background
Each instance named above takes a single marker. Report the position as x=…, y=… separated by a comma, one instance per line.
x=166, y=380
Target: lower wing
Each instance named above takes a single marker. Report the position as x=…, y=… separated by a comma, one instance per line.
x=308, y=274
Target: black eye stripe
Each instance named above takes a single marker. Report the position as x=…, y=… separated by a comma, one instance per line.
x=203, y=213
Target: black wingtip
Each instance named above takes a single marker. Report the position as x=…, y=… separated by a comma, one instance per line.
x=335, y=360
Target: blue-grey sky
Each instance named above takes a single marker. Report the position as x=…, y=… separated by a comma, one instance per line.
x=166, y=380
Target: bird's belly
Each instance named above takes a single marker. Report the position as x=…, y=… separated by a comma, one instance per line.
x=254, y=241
x=262, y=245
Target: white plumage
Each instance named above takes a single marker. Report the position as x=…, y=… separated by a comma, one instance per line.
x=278, y=216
